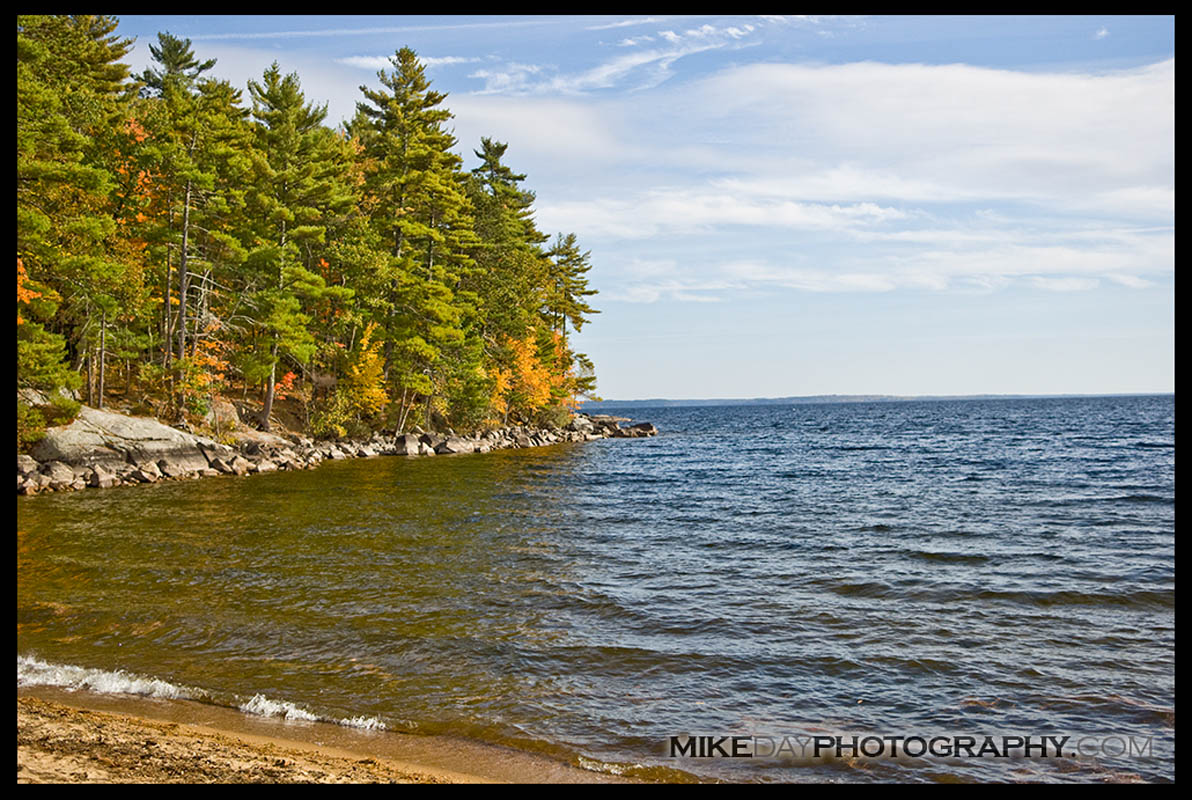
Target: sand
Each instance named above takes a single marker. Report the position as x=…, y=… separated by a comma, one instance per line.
x=57, y=743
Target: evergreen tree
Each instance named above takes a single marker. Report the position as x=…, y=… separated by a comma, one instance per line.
x=168, y=232
x=421, y=211
x=176, y=64
x=198, y=148
x=298, y=184
x=69, y=90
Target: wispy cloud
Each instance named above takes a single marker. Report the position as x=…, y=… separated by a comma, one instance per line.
x=383, y=62
x=1101, y=33
x=643, y=69
x=323, y=32
x=625, y=23
x=1055, y=268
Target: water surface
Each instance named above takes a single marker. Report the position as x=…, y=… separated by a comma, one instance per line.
x=919, y=568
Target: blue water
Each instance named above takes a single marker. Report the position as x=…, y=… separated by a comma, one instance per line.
x=1001, y=567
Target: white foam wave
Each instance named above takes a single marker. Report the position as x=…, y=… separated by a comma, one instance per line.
x=604, y=766
x=264, y=707
x=365, y=723
x=35, y=672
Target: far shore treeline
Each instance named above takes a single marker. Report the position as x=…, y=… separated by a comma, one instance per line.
x=182, y=240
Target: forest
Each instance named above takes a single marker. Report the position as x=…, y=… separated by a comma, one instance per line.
x=181, y=241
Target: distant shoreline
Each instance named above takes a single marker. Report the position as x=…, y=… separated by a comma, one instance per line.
x=601, y=405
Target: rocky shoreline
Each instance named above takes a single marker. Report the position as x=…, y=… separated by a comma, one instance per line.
x=101, y=449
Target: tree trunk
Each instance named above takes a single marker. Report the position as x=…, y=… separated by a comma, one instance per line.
x=269, y=391
x=167, y=340
x=103, y=332
x=406, y=406
x=183, y=275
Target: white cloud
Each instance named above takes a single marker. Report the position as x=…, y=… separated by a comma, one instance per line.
x=627, y=23
x=644, y=68
x=1101, y=33
x=671, y=211
x=1064, y=284
x=340, y=32
x=366, y=62
x=956, y=132
x=383, y=62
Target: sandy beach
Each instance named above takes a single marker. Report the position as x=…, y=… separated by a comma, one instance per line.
x=57, y=743
x=73, y=738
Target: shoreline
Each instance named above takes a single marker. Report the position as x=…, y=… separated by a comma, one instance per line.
x=102, y=449
x=82, y=737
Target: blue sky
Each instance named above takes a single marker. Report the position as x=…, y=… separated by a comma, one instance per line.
x=811, y=205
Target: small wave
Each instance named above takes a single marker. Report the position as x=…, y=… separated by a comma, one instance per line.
x=1121, y=498
x=364, y=723
x=949, y=558
x=1041, y=599
x=876, y=528
x=647, y=772
x=262, y=706
x=35, y=672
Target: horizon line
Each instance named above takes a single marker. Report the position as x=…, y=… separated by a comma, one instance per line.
x=1008, y=395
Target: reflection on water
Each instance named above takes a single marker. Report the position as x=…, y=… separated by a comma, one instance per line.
x=910, y=568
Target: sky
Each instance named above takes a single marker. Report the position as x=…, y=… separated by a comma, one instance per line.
x=800, y=205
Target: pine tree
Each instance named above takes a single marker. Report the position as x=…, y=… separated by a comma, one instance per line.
x=177, y=64
x=421, y=212
x=299, y=170
x=69, y=91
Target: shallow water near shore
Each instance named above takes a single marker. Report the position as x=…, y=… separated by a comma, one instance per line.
x=1001, y=567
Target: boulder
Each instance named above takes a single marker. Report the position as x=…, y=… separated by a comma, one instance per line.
x=219, y=465
x=101, y=478
x=58, y=476
x=455, y=444
x=432, y=440
x=105, y=438
x=145, y=475
x=26, y=465
x=406, y=444
x=222, y=415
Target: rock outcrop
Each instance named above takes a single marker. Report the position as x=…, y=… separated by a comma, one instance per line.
x=101, y=449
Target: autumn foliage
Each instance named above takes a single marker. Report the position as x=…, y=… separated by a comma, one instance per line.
x=179, y=238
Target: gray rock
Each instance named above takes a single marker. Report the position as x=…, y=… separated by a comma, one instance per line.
x=219, y=465
x=406, y=444
x=145, y=475
x=27, y=465
x=454, y=444
x=433, y=440
x=222, y=415
x=103, y=437
x=58, y=475
x=101, y=478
